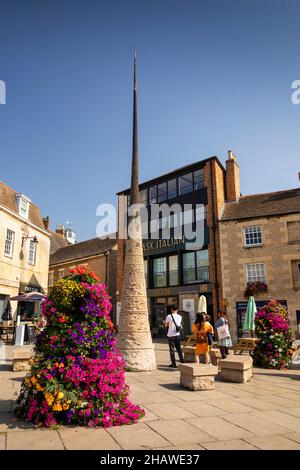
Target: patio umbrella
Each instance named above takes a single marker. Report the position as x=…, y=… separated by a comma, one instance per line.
x=30, y=297
x=202, y=307
x=250, y=315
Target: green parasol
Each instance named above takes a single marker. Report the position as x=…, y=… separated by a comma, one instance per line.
x=250, y=315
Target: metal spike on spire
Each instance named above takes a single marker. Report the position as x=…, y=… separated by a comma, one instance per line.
x=134, y=190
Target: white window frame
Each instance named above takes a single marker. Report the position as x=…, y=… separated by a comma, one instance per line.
x=32, y=253
x=252, y=231
x=9, y=242
x=51, y=278
x=256, y=276
x=61, y=273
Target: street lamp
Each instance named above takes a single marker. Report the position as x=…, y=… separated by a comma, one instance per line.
x=34, y=239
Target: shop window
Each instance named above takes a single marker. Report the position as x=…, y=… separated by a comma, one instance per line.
x=172, y=188
x=173, y=270
x=199, y=180
x=144, y=197
x=153, y=194
x=159, y=272
x=185, y=184
x=162, y=194
x=195, y=266
x=146, y=271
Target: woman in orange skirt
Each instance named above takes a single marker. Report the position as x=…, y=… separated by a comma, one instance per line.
x=200, y=329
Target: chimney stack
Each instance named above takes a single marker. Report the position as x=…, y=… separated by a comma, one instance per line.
x=232, y=178
x=60, y=229
x=46, y=222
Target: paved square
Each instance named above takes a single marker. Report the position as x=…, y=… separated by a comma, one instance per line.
x=262, y=414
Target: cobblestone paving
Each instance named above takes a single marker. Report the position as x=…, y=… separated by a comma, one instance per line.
x=261, y=414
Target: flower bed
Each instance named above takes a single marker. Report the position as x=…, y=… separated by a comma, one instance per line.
x=77, y=375
x=274, y=348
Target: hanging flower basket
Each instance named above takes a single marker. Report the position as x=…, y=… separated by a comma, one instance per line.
x=255, y=288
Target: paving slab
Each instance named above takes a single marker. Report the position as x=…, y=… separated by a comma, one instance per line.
x=9, y=422
x=179, y=432
x=256, y=424
x=274, y=442
x=87, y=439
x=34, y=440
x=258, y=404
x=137, y=436
x=294, y=436
x=182, y=447
x=154, y=397
x=232, y=406
x=234, y=444
x=220, y=429
x=202, y=409
x=170, y=411
x=291, y=411
x=282, y=419
x=285, y=402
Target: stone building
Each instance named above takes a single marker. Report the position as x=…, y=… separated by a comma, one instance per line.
x=260, y=241
x=175, y=273
x=96, y=254
x=24, y=249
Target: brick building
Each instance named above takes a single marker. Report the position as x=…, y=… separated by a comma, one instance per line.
x=175, y=274
x=96, y=254
x=260, y=241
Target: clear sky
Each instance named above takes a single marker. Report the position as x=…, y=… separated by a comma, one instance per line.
x=212, y=76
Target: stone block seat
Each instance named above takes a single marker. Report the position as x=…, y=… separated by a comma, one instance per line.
x=215, y=356
x=197, y=376
x=189, y=353
x=236, y=368
x=21, y=358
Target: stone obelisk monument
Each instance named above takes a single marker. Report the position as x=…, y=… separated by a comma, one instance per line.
x=134, y=338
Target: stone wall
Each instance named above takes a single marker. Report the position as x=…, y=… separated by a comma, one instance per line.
x=277, y=253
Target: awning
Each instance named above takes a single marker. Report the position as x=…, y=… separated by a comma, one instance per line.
x=29, y=297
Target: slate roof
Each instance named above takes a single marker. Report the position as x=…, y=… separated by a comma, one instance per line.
x=85, y=249
x=57, y=241
x=263, y=205
x=8, y=200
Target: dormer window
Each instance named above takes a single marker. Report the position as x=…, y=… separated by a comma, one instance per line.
x=23, y=205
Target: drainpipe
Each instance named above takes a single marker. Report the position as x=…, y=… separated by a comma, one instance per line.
x=214, y=229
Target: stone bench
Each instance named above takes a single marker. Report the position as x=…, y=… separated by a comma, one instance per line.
x=197, y=376
x=189, y=353
x=236, y=368
x=215, y=356
x=21, y=360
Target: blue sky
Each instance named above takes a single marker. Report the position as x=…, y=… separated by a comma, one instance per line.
x=212, y=76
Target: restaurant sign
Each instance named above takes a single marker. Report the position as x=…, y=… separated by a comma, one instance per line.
x=151, y=246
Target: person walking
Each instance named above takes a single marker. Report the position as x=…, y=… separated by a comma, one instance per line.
x=173, y=323
x=224, y=337
x=200, y=329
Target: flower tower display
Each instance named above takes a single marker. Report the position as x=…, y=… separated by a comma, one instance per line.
x=77, y=374
x=274, y=348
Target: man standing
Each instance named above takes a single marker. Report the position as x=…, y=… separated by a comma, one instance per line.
x=173, y=322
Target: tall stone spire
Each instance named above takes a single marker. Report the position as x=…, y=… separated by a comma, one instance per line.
x=134, y=337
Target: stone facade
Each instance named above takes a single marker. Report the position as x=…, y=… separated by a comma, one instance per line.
x=279, y=252
x=19, y=272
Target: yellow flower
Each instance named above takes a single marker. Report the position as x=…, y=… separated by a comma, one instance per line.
x=65, y=406
x=61, y=365
x=57, y=407
x=33, y=380
x=39, y=387
x=60, y=395
x=49, y=397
